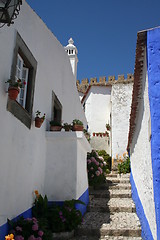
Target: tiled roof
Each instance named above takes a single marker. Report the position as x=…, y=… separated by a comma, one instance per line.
x=137, y=85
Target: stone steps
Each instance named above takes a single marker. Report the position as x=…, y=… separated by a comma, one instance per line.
x=116, y=224
x=111, y=205
x=111, y=193
x=106, y=238
x=111, y=212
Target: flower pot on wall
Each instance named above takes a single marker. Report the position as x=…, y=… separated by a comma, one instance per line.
x=38, y=122
x=55, y=128
x=77, y=127
x=13, y=92
x=94, y=134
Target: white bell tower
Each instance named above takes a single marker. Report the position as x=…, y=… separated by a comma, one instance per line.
x=72, y=53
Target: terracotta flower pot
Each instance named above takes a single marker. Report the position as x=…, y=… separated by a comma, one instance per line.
x=77, y=127
x=13, y=92
x=104, y=134
x=55, y=128
x=94, y=134
x=38, y=122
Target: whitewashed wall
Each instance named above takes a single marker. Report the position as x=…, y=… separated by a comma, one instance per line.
x=121, y=106
x=141, y=163
x=23, y=151
x=98, y=108
x=66, y=165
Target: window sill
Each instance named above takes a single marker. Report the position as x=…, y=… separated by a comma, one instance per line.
x=19, y=112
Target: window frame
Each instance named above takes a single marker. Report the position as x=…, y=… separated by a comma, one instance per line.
x=21, y=113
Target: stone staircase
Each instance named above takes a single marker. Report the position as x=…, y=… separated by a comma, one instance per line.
x=111, y=212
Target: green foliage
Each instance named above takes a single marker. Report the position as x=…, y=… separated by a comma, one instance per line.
x=26, y=229
x=124, y=167
x=107, y=159
x=55, y=218
x=77, y=122
x=64, y=218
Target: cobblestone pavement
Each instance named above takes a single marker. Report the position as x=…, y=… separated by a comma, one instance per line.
x=111, y=212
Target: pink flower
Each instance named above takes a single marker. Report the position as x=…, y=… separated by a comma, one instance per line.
x=104, y=163
x=93, y=159
x=35, y=227
x=101, y=158
x=88, y=161
x=92, y=168
x=101, y=164
x=92, y=176
x=100, y=170
x=40, y=233
x=19, y=237
x=97, y=173
x=97, y=163
x=34, y=220
x=31, y=237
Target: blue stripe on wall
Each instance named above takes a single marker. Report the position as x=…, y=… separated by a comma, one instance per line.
x=146, y=232
x=5, y=228
x=28, y=214
x=153, y=54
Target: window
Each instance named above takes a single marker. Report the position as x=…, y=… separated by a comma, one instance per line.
x=56, y=109
x=24, y=67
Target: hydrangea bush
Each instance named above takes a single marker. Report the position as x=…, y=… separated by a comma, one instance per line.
x=26, y=229
x=96, y=167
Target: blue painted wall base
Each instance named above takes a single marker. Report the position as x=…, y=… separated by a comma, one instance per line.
x=28, y=214
x=146, y=232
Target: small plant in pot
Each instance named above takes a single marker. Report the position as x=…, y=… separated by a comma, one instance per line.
x=108, y=127
x=77, y=125
x=55, y=125
x=67, y=127
x=39, y=120
x=14, y=88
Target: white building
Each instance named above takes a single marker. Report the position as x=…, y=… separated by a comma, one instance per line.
x=54, y=163
x=143, y=141
x=108, y=102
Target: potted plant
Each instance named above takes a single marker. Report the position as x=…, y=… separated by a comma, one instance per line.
x=94, y=134
x=67, y=127
x=55, y=125
x=39, y=120
x=77, y=125
x=14, y=88
x=108, y=127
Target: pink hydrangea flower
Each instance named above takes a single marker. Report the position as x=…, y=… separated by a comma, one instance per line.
x=100, y=170
x=92, y=168
x=93, y=159
x=40, y=233
x=97, y=163
x=101, y=158
x=97, y=173
x=101, y=164
x=88, y=161
x=19, y=237
x=31, y=237
x=35, y=227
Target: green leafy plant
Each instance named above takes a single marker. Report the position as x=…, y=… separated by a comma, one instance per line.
x=65, y=217
x=108, y=127
x=55, y=218
x=124, y=167
x=17, y=84
x=107, y=159
x=38, y=113
x=96, y=167
x=87, y=135
x=67, y=126
x=26, y=229
x=77, y=122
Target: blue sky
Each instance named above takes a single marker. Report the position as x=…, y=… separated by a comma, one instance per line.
x=104, y=31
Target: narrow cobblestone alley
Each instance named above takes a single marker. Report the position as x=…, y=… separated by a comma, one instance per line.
x=111, y=212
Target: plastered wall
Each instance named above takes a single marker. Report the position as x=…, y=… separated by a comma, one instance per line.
x=23, y=151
